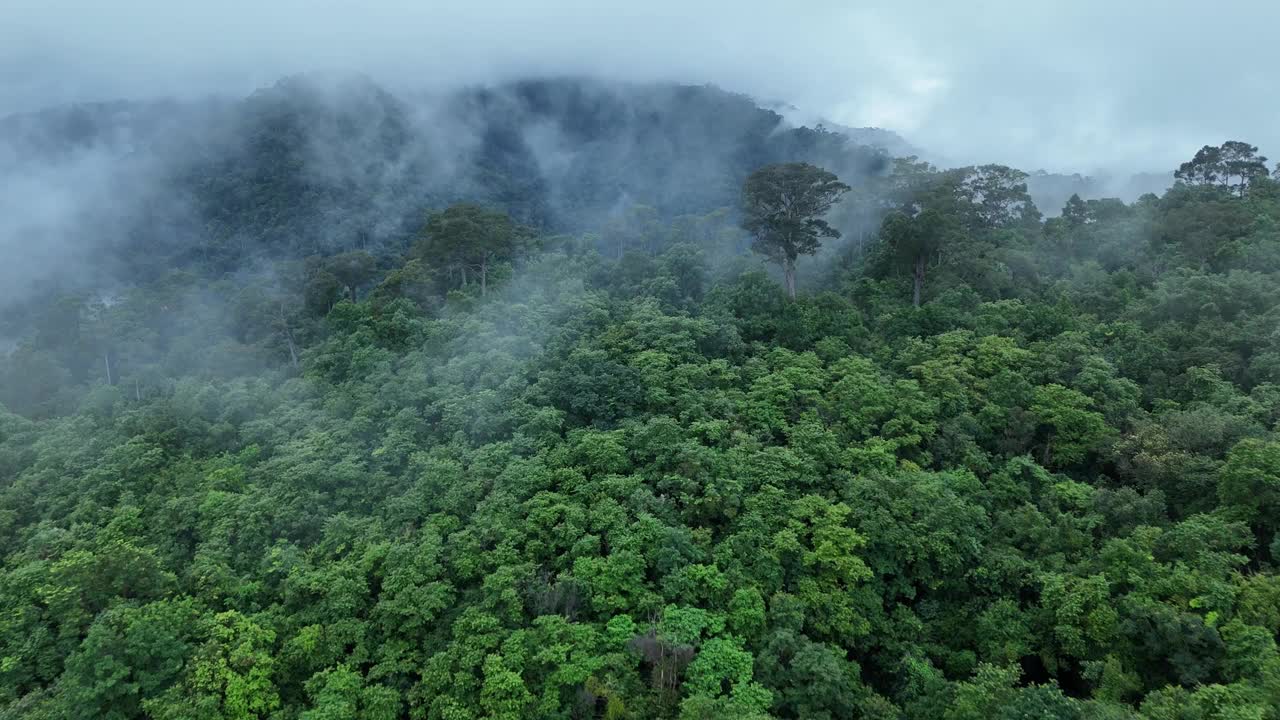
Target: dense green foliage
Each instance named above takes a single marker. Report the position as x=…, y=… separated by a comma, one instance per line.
x=650, y=486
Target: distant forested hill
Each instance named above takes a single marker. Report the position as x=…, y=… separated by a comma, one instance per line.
x=311, y=165
x=1050, y=191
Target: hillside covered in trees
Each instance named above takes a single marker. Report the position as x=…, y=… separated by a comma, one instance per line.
x=315, y=165
x=532, y=428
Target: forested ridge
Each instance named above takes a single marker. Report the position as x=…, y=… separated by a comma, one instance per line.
x=489, y=461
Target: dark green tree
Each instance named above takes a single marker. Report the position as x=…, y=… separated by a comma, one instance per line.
x=466, y=237
x=914, y=241
x=352, y=269
x=1206, y=168
x=1242, y=163
x=1075, y=212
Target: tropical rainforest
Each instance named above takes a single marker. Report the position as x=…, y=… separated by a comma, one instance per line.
x=637, y=403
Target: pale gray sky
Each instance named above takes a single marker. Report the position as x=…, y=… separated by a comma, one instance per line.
x=1072, y=85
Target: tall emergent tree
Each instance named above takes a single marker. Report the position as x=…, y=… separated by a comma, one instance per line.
x=783, y=205
x=914, y=239
x=468, y=236
x=1235, y=165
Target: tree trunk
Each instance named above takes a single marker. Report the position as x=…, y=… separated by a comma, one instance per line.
x=917, y=284
x=464, y=275
x=288, y=336
x=484, y=279
x=106, y=358
x=789, y=270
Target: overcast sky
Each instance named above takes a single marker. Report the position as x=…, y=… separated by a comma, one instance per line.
x=1072, y=85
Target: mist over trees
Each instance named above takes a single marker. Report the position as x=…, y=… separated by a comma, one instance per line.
x=374, y=407
x=313, y=165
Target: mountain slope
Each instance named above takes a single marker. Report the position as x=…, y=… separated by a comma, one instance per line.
x=319, y=166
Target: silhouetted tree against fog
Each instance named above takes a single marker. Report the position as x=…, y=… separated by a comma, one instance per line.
x=1075, y=213
x=783, y=205
x=1233, y=165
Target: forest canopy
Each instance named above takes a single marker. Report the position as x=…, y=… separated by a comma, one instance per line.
x=970, y=463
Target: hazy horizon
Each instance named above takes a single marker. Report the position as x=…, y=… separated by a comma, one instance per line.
x=1081, y=87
